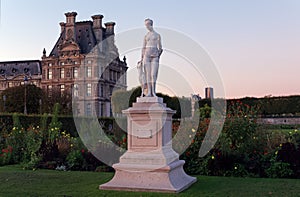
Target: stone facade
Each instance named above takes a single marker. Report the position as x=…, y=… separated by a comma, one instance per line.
x=84, y=61
x=13, y=73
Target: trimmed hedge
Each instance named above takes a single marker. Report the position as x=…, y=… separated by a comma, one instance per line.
x=68, y=124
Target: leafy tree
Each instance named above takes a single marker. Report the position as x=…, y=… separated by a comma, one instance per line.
x=15, y=99
x=121, y=100
x=64, y=99
x=268, y=106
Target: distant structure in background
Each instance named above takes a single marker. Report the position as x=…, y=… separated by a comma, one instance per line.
x=195, y=98
x=84, y=62
x=209, y=93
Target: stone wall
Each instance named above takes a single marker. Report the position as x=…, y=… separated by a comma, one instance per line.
x=280, y=120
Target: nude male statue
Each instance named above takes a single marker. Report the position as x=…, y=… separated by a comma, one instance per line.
x=152, y=49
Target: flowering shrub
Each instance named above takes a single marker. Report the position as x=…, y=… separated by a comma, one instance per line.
x=33, y=141
x=15, y=139
x=244, y=148
x=6, y=155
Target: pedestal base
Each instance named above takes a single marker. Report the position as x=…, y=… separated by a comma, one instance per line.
x=170, y=179
x=150, y=164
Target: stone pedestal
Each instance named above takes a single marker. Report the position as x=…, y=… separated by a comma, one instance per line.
x=150, y=163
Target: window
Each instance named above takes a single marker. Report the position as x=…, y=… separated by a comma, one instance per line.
x=89, y=89
x=88, y=109
x=50, y=64
x=111, y=88
x=89, y=61
x=101, y=109
x=49, y=73
x=115, y=76
x=89, y=71
x=10, y=84
x=62, y=89
x=49, y=88
x=101, y=71
x=62, y=63
x=101, y=90
x=75, y=72
x=111, y=75
x=62, y=73
x=118, y=76
x=75, y=90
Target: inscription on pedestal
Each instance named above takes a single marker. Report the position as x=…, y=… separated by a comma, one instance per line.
x=144, y=134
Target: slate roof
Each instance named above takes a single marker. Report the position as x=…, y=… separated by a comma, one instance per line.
x=85, y=38
x=14, y=68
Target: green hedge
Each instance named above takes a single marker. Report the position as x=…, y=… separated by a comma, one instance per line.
x=68, y=124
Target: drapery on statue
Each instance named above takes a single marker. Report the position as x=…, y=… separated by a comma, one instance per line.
x=149, y=64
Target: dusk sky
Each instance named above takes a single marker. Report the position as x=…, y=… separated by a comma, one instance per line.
x=254, y=44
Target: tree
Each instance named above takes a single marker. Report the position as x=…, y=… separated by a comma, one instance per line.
x=15, y=99
x=121, y=100
x=63, y=98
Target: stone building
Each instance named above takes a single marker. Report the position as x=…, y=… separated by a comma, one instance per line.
x=84, y=62
x=13, y=73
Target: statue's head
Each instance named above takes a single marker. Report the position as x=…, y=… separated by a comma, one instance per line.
x=149, y=24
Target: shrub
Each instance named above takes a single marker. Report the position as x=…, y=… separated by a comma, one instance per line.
x=75, y=160
x=279, y=170
x=6, y=156
x=33, y=141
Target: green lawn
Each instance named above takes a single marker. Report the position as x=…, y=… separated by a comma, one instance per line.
x=17, y=182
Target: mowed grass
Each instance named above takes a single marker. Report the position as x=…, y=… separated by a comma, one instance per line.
x=17, y=182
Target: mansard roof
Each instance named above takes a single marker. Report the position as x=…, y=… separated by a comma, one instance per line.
x=85, y=38
x=26, y=67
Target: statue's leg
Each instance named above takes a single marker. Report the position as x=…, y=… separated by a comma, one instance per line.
x=147, y=65
x=154, y=72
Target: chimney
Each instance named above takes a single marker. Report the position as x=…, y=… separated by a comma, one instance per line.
x=71, y=18
x=70, y=34
x=110, y=28
x=97, y=21
x=97, y=26
x=62, y=26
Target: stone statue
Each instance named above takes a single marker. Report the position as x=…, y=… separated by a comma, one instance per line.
x=152, y=49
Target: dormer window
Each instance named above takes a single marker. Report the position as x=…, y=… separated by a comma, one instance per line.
x=26, y=70
x=14, y=70
x=2, y=71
